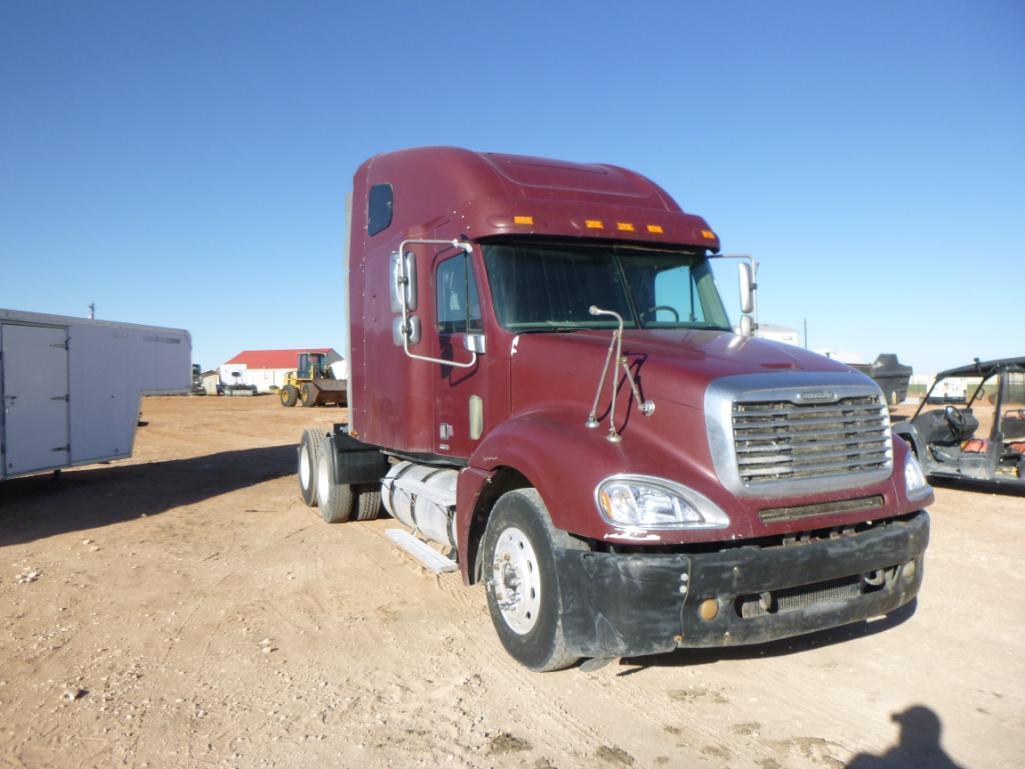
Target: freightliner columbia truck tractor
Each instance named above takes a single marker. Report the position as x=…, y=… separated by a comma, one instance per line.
x=544, y=383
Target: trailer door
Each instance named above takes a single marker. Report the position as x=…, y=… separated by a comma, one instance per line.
x=35, y=396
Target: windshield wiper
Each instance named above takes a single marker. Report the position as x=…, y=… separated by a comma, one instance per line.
x=549, y=330
x=690, y=326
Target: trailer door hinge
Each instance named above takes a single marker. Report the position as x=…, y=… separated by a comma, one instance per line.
x=60, y=398
x=62, y=448
x=63, y=345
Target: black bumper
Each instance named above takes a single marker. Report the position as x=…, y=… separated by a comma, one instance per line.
x=631, y=605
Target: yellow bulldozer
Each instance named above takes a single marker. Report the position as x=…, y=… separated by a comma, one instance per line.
x=312, y=383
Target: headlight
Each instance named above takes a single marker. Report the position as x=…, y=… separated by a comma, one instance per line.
x=914, y=479
x=655, y=503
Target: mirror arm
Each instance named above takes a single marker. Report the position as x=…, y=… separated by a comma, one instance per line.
x=404, y=282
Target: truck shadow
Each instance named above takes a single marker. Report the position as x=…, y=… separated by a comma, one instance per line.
x=784, y=647
x=41, y=506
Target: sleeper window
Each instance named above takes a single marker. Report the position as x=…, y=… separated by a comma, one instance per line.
x=379, y=208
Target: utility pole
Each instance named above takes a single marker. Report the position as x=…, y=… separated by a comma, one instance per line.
x=805, y=333
x=92, y=310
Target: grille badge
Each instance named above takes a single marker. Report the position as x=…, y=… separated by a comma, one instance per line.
x=816, y=396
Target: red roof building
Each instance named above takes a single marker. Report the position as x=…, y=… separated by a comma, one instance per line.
x=276, y=358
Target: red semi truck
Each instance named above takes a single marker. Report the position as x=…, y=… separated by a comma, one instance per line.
x=544, y=381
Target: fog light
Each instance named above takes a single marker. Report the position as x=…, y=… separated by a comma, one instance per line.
x=909, y=570
x=708, y=609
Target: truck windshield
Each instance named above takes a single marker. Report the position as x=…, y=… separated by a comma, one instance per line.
x=550, y=286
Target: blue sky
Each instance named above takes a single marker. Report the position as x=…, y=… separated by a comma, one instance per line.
x=186, y=164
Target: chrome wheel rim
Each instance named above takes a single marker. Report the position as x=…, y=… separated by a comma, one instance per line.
x=304, y=468
x=516, y=581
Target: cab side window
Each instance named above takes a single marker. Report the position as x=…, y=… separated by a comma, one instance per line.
x=379, y=208
x=458, y=308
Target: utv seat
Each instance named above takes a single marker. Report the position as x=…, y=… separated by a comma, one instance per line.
x=1013, y=424
x=947, y=455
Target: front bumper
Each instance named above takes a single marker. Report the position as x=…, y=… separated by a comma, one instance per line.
x=616, y=605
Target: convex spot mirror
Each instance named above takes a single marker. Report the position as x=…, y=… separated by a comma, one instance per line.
x=412, y=329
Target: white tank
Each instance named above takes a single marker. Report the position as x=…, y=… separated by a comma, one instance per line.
x=424, y=498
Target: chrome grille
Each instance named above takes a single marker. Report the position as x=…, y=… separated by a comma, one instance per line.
x=780, y=440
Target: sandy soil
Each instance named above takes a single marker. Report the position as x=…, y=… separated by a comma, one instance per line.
x=184, y=609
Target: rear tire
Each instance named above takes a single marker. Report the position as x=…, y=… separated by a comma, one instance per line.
x=368, y=507
x=308, y=394
x=289, y=395
x=522, y=583
x=309, y=450
x=337, y=500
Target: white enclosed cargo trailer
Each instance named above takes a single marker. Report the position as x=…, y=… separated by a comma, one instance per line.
x=71, y=388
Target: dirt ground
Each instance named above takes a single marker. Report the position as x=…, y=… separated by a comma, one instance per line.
x=185, y=609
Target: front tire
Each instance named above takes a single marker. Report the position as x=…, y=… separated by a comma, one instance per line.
x=522, y=582
x=309, y=450
x=289, y=395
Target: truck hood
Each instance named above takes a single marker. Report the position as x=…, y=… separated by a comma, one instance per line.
x=671, y=364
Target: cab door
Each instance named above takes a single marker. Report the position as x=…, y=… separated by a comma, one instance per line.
x=458, y=392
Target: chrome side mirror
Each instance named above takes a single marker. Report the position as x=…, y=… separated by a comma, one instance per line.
x=747, y=287
x=403, y=289
x=406, y=329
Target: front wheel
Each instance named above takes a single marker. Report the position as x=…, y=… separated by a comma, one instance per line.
x=522, y=583
x=289, y=395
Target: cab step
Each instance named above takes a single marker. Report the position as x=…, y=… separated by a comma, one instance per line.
x=421, y=551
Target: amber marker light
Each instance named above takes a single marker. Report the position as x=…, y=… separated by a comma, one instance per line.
x=523, y=220
x=593, y=224
x=708, y=234
x=656, y=228
x=708, y=609
x=624, y=226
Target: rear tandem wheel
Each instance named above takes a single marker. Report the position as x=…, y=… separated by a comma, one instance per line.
x=340, y=502
x=309, y=448
x=308, y=394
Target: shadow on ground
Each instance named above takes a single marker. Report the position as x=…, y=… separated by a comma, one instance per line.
x=917, y=748
x=694, y=657
x=41, y=506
